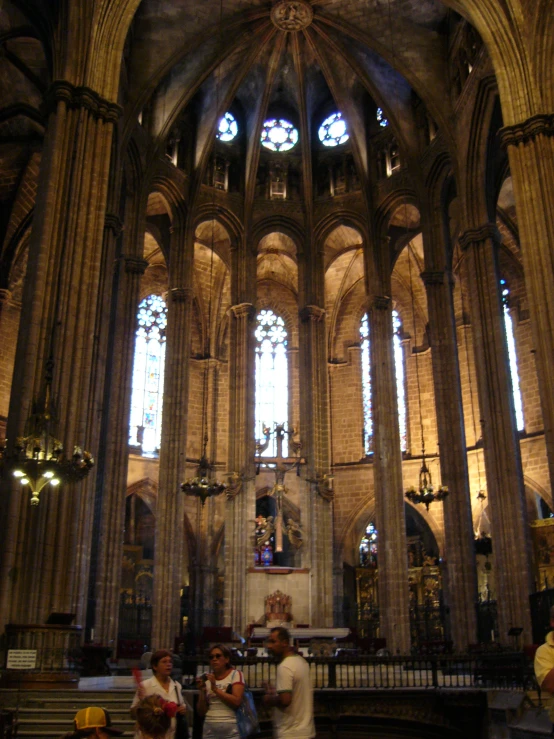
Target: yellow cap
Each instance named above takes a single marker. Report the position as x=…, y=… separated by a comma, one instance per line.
x=94, y=717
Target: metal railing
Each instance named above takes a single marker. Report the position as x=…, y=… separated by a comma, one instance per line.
x=511, y=671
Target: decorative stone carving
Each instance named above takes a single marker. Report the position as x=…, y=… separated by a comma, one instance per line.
x=292, y=16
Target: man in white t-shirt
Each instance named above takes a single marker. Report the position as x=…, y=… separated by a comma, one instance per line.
x=292, y=698
x=544, y=668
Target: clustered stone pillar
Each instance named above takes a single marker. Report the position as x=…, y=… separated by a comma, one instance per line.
x=387, y=470
x=314, y=425
x=168, y=558
x=530, y=147
x=505, y=488
x=459, y=551
x=114, y=472
x=239, y=509
x=61, y=305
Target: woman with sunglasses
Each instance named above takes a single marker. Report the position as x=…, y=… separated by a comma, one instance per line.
x=221, y=692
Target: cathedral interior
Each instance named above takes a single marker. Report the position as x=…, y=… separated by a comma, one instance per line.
x=295, y=258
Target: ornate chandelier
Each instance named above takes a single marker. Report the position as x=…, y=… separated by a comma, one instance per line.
x=202, y=486
x=425, y=492
x=37, y=458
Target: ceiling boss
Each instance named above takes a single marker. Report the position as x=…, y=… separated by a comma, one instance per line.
x=290, y=15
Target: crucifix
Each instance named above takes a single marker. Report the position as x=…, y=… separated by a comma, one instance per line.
x=280, y=465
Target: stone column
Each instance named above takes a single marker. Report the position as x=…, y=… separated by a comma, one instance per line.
x=459, y=553
x=129, y=270
x=10, y=313
x=50, y=547
x=530, y=148
x=505, y=488
x=168, y=576
x=240, y=506
x=315, y=436
x=387, y=471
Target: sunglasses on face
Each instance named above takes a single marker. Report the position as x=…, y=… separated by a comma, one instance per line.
x=216, y=656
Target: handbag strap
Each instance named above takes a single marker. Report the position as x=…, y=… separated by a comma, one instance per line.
x=229, y=688
x=179, y=696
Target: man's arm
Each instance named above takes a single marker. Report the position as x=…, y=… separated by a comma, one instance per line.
x=548, y=682
x=544, y=667
x=279, y=700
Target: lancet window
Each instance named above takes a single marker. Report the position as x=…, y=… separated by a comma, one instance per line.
x=512, y=355
x=366, y=381
x=272, y=386
x=368, y=547
x=148, y=376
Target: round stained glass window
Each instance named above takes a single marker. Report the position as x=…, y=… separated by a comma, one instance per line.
x=332, y=131
x=228, y=128
x=279, y=135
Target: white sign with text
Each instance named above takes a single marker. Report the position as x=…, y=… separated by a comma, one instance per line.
x=22, y=659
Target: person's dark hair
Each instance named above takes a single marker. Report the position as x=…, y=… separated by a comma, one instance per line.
x=151, y=717
x=158, y=655
x=282, y=634
x=225, y=651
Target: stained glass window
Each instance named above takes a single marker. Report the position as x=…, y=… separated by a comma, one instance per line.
x=400, y=378
x=366, y=381
x=512, y=355
x=368, y=547
x=332, y=131
x=228, y=127
x=366, y=386
x=383, y=122
x=148, y=375
x=279, y=135
x=272, y=383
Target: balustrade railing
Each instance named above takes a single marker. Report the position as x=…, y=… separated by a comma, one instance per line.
x=512, y=671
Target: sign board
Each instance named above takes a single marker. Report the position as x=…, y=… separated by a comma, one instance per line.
x=22, y=659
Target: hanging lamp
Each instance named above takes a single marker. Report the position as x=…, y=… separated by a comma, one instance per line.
x=425, y=492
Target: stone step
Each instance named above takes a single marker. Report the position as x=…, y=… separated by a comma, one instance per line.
x=47, y=715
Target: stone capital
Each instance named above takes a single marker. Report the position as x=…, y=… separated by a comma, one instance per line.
x=181, y=294
x=432, y=278
x=80, y=97
x=520, y=133
x=477, y=235
x=114, y=223
x=242, y=310
x=312, y=313
x=5, y=296
x=135, y=265
x=381, y=302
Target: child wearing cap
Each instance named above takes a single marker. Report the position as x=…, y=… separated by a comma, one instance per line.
x=94, y=722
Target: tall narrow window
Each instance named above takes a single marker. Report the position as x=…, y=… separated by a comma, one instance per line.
x=148, y=376
x=272, y=385
x=400, y=378
x=368, y=547
x=366, y=386
x=512, y=355
x=366, y=381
